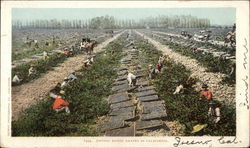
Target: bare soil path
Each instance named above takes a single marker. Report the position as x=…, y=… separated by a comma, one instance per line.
x=220, y=92
x=30, y=93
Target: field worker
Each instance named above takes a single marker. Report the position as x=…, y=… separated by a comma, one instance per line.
x=46, y=43
x=53, y=39
x=72, y=77
x=60, y=105
x=36, y=43
x=134, y=48
x=45, y=55
x=128, y=35
x=66, y=51
x=55, y=91
x=32, y=70
x=171, y=38
x=214, y=111
x=83, y=44
x=131, y=79
x=179, y=89
x=159, y=67
x=152, y=71
x=105, y=53
x=65, y=82
x=16, y=79
x=86, y=63
x=161, y=59
x=90, y=59
x=205, y=93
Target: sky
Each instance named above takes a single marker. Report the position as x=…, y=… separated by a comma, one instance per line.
x=217, y=16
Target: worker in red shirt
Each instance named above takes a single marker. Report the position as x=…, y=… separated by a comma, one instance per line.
x=159, y=66
x=66, y=51
x=60, y=104
x=205, y=93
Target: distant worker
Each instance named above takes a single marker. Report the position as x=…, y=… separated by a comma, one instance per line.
x=45, y=55
x=66, y=51
x=131, y=79
x=65, y=82
x=86, y=63
x=170, y=38
x=16, y=79
x=53, y=40
x=134, y=48
x=161, y=60
x=60, y=105
x=91, y=59
x=72, y=77
x=55, y=91
x=159, y=67
x=205, y=93
x=234, y=28
x=152, y=71
x=36, y=43
x=214, y=111
x=179, y=89
x=32, y=71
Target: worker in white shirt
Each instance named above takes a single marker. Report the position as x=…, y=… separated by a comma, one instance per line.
x=32, y=71
x=179, y=89
x=45, y=55
x=131, y=79
x=16, y=79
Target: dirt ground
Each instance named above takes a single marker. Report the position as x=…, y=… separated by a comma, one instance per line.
x=30, y=93
x=220, y=92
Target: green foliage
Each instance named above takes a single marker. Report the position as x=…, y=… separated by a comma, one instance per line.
x=213, y=64
x=147, y=49
x=41, y=66
x=185, y=107
x=30, y=52
x=85, y=96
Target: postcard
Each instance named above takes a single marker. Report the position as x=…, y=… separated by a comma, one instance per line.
x=125, y=74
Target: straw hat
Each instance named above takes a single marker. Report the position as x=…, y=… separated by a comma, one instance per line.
x=198, y=128
x=62, y=92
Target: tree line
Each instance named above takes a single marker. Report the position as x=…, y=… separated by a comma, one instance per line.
x=110, y=22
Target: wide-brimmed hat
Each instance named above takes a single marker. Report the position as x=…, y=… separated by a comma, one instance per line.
x=198, y=128
x=62, y=92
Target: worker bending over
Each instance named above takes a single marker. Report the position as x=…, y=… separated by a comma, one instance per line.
x=131, y=79
x=205, y=94
x=61, y=105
